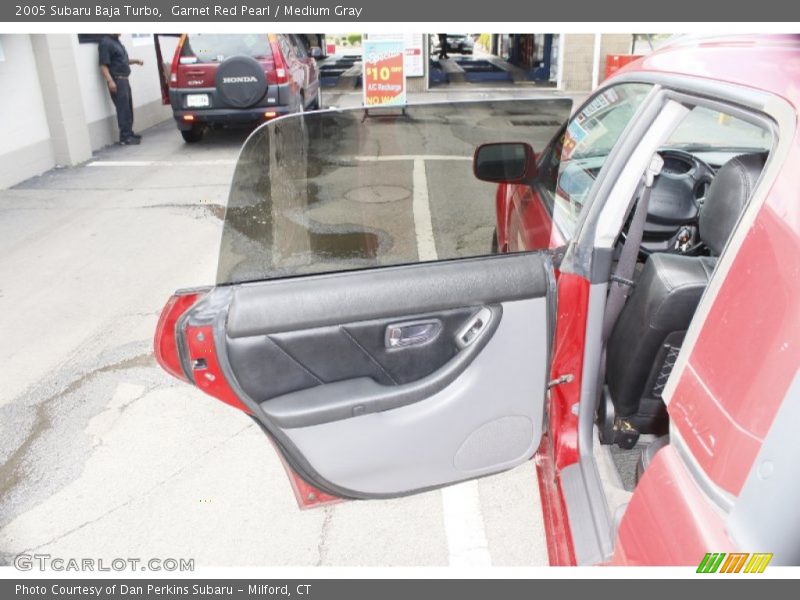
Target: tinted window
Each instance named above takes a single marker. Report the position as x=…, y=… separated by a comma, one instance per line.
x=341, y=190
x=286, y=47
x=570, y=166
x=708, y=130
x=216, y=47
x=300, y=46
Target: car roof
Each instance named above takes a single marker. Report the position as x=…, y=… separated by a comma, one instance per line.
x=770, y=63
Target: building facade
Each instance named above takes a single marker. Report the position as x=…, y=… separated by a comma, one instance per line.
x=54, y=105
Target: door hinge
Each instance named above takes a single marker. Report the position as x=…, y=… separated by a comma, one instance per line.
x=562, y=379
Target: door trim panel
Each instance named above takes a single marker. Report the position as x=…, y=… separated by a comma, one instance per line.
x=360, y=396
x=521, y=361
x=488, y=420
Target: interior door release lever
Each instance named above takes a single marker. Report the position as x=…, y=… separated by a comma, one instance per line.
x=413, y=333
x=472, y=330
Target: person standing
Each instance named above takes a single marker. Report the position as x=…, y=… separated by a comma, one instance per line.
x=115, y=66
x=443, y=45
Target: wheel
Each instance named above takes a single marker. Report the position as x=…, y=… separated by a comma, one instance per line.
x=495, y=244
x=193, y=135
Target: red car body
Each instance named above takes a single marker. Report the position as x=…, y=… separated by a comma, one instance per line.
x=736, y=368
x=744, y=358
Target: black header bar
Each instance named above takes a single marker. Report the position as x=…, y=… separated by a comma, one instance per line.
x=398, y=11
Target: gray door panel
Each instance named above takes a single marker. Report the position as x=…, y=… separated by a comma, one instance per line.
x=273, y=365
x=356, y=396
x=367, y=418
x=489, y=419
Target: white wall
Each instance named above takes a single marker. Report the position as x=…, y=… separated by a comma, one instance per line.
x=97, y=104
x=144, y=80
x=94, y=92
x=22, y=117
x=28, y=147
x=25, y=147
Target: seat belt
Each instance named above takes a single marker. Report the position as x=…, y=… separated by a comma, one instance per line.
x=622, y=280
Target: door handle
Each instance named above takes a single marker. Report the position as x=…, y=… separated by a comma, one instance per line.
x=473, y=329
x=413, y=333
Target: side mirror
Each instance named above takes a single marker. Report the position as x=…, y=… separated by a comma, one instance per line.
x=506, y=162
x=316, y=52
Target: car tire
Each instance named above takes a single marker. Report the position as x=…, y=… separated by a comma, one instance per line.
x=495, y=244
x=193, y=135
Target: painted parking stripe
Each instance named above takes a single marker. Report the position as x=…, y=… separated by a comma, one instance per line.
x=463, y=526
x=461, y=504
x=423, y=225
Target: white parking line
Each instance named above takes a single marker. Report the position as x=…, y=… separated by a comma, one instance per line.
x=426, y=246
x=461, y=503
x=463, y=526
x=162, y=163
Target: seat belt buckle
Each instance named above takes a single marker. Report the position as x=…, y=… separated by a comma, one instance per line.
x=653, y=169
x=622, y=281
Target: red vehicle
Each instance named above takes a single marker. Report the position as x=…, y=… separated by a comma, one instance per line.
x=644, y=298
x=219, y=79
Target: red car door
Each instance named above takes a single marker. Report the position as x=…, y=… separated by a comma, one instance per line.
x=382, y=354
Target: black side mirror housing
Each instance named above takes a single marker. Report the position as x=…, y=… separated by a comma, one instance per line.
x=505, y=162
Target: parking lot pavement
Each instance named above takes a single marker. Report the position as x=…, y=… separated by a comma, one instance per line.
x=104, y=455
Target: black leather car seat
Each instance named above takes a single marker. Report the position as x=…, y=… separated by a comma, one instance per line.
x=650, y=329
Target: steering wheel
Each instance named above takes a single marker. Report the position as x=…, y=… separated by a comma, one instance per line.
x=679, y=190
x=677, y=195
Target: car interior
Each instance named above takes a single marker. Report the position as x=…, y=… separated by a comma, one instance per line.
x=695, y=204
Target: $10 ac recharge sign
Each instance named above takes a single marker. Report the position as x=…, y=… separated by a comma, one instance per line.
x=384, y=75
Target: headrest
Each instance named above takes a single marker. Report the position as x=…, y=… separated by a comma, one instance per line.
x=726, y=198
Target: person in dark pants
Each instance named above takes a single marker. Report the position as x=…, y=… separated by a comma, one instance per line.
x=115, y=66
x=443, y=45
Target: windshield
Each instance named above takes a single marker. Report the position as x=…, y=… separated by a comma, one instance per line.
x=708, y=130
x=341, y=190
x=571, y=167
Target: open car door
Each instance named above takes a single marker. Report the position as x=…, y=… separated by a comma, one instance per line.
x=165, y=45
x=358, y=316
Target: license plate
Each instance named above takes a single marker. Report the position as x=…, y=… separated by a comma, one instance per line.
x=197, y=100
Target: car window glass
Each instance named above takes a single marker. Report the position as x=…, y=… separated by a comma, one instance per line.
x=300, y=46
x=213, y=47
x=708, y=130
x=569, y=167
x=286, y=47
x=349, y=189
